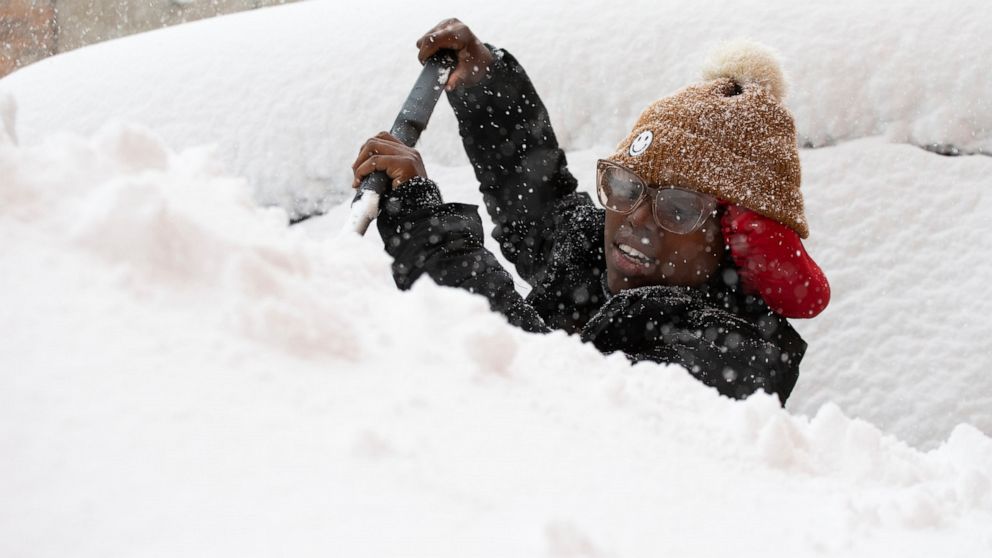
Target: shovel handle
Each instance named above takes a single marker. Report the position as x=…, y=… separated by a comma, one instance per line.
x=411, y=121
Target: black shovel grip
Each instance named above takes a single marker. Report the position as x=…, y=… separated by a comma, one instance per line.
x=413, y=117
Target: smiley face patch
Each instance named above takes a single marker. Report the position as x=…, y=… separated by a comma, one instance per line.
x=641, y=143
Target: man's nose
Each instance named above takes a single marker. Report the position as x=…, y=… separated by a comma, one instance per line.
x=642, y=217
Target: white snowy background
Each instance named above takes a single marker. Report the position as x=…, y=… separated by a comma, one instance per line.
x=182, y=373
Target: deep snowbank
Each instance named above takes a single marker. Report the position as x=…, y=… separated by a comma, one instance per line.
x=288, y=94
x=183, y=374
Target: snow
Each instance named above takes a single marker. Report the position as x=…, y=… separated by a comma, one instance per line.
x=182, y=373
x=902, y=235
x=186, y=374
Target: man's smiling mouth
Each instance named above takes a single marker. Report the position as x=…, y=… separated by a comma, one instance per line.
x=635, y=255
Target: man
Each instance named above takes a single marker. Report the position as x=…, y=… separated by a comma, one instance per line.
x=700, y=236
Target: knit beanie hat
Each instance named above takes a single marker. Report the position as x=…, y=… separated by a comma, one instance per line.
x=729, y=136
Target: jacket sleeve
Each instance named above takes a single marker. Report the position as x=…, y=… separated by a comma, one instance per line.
x=445, y=241
x=513, y=150
x=677, y=325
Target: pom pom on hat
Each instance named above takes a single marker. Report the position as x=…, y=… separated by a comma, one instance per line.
x=747, y=62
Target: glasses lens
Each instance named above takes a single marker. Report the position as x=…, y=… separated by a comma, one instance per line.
x=619, y=189
x=682, y=211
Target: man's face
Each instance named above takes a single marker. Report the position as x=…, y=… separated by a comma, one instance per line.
x=640, y=253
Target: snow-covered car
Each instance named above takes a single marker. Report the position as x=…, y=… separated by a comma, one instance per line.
x=183, y=372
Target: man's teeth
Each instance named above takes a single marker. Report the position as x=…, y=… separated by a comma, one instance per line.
x=634, y=253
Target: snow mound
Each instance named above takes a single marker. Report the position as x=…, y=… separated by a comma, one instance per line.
x=290, y=93
x=903, y=236
x=183, y=372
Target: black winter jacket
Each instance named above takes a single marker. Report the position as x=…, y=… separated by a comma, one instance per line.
x=554, y=237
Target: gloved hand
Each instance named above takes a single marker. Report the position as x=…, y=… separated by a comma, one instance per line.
x=773, y=264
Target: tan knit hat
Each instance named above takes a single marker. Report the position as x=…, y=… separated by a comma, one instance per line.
x=730, y=137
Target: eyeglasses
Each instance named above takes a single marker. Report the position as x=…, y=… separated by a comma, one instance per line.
x=676, y=210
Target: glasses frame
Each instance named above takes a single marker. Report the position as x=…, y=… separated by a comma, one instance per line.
x=652, y=191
